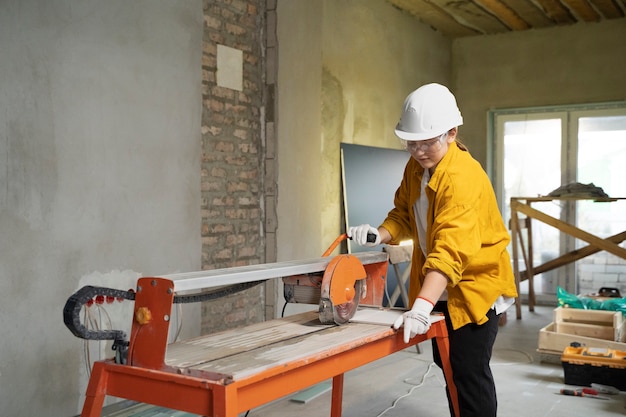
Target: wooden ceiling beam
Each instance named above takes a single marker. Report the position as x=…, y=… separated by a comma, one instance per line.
x=435, y=17
x=459, y=18
x=470, y=14
x=529, y=12
x=610, y=9
x=556, y=11
x=583, y=9
x=504, y=13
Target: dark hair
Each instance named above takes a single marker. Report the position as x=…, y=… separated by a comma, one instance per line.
x=460, y=144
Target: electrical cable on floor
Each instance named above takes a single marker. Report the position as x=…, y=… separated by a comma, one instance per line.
x=415, y=386
x=428, y=371
x=526, y=354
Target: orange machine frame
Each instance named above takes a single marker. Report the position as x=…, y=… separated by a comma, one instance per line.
x=148, y=379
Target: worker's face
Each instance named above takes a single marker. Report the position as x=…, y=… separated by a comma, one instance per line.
x=428, y=153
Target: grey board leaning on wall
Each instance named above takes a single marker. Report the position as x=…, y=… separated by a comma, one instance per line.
x=371, y=177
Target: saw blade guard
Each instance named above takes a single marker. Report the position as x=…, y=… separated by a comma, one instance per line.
x=342, y=289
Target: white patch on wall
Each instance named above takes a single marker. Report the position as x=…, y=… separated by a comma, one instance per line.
x=229, y=68
x=116, y=315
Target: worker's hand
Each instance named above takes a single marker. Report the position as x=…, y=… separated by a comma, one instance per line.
x=417, y=320
x=360, y=235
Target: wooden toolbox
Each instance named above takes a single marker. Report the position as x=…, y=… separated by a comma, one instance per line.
x=597, y=324
x=592, y=328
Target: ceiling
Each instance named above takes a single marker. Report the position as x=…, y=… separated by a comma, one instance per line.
x=458, y=18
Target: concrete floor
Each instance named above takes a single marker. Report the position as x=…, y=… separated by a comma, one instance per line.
x=406, y=384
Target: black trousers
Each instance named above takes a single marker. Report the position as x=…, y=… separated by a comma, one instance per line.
x=470, y=353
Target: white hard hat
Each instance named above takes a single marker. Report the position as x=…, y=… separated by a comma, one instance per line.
x=428, y=112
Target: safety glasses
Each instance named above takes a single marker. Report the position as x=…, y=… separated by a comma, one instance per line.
x=430, y=145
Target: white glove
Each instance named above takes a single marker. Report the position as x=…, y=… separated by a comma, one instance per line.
x=417, y=320
x=359, y=235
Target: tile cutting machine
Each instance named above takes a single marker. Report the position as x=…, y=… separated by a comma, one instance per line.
x=225, y=373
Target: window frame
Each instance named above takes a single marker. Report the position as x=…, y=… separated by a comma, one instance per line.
x=569, y=116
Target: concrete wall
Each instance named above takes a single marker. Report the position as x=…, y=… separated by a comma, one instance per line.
x=582, y=63
x=100, y=108
x=344, y=70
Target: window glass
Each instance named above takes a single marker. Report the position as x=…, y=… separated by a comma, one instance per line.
x=536, y=150
x=601, y=160
x=532, y=167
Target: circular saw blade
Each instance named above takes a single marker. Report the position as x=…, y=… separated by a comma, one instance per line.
x=340, y=313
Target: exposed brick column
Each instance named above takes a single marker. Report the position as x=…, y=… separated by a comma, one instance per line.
x=233, y=157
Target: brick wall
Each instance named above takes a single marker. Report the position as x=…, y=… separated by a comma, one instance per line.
x=601, y=270
x=234, y=153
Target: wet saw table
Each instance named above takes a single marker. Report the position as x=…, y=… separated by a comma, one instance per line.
x=227, y=373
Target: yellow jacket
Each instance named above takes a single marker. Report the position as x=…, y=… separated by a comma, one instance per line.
x=466, y=237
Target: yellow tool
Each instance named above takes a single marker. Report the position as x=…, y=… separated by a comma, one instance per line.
x=586, y=365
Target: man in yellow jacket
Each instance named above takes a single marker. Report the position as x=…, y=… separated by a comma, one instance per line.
x=460, y=263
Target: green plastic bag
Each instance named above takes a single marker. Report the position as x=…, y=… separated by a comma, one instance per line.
x=566, y=299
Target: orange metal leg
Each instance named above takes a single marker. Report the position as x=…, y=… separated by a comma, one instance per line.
x=96, y=391
x=443, y=344
x=337, y=398
x=226, y=405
